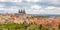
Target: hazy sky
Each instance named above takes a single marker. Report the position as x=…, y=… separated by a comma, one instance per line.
x=31, y=6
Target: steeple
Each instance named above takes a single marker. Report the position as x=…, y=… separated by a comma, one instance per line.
x=24, y=11
x=21, y=11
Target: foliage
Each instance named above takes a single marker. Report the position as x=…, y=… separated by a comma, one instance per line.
x=24, y=26
x=33, y=27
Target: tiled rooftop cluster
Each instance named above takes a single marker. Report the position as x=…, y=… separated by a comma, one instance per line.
x=20, y=19
x=11, y=18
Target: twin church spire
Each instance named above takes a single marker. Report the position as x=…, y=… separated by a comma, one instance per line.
x=21, y=11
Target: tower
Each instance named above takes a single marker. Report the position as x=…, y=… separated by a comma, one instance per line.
x=21, y=11
x=24, y=11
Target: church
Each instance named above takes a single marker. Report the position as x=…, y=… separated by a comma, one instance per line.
x=20, y=13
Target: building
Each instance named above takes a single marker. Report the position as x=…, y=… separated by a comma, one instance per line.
x=21, y=13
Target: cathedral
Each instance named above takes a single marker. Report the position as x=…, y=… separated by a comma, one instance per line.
x=21, y=12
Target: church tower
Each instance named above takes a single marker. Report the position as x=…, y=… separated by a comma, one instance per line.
x=24, y=11
x=21, y=11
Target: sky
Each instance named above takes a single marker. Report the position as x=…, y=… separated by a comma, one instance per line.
x=30, y=6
